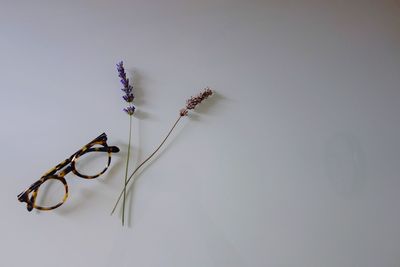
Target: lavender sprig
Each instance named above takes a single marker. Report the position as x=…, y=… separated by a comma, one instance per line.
x=127, y=89
x=130, y=109
x=191, y=103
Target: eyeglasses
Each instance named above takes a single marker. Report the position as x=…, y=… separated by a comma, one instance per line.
x=89, y=162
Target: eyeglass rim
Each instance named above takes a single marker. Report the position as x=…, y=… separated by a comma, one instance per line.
x=83, y=152
x=34, y=189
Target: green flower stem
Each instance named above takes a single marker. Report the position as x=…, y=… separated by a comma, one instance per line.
x=127, y=168
x=141, y=164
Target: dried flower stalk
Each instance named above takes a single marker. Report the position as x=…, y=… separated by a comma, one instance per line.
x=130, y=109
x=191, y=103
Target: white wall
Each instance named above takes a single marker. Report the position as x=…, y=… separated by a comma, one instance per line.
x=295, y=162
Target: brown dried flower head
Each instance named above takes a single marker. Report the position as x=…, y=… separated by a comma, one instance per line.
x=192, y=102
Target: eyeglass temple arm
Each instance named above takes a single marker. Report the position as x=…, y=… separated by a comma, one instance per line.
x=65, y=171
x=59, y=166
x=102, y=136
x=112, y=149
x=31, y=187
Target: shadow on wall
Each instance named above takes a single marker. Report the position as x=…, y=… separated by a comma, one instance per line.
x=139, y=95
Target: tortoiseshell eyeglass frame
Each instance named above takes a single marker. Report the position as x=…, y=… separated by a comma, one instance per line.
x=64, y=168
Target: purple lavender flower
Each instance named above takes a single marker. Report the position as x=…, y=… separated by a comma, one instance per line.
x=127, y=88
x=129, y=110
x=128, y=97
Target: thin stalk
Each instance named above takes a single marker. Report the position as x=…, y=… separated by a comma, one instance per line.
x=147, y=159
x=127, y=168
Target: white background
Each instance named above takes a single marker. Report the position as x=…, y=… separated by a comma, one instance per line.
x=294, y=162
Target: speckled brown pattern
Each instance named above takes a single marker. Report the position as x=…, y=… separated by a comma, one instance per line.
x=65, y=167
